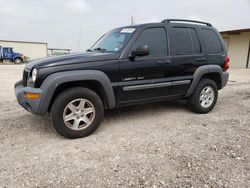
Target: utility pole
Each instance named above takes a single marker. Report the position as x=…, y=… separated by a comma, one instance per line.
x=80, y=35
x=132, y=20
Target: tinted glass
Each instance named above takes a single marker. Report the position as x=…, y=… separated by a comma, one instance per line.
x=156, y=40
x=185, y=41
x=211, y=40
x=113, y=41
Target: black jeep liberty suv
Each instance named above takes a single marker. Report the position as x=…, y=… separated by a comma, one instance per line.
x=174, y=59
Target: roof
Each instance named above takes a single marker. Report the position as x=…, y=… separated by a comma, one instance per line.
x=236, y=31
x=59, y=49
x=167, y=21
x=23, y=42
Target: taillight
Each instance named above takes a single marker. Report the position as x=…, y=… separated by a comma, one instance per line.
x=226, y=64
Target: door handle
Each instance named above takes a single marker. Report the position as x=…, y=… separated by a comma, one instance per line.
x=160, y=62
x=200, y=59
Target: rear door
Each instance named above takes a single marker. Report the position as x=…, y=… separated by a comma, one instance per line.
x=187, y=53
x=146, y=77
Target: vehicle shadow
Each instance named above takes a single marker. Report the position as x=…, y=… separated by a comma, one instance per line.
x=41, y=125
x=167, y=106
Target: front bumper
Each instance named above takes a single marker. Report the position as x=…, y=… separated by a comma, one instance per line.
x=31, y=105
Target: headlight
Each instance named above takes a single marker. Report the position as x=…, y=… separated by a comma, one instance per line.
x=33, y=75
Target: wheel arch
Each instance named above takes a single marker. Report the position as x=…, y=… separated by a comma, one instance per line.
x=213, y=72
x=95, y=80
x=215, y=76
x=90, y=84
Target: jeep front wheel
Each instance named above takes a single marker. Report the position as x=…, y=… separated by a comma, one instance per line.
x=77, y=112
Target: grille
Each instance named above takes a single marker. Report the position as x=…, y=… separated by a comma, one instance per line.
x=25, y=77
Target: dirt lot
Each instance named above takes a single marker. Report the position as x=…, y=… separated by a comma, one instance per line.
x=155, y=145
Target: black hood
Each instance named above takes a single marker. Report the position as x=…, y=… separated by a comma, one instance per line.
x=70, y=59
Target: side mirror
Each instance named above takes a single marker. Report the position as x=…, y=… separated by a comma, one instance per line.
x=140, y=51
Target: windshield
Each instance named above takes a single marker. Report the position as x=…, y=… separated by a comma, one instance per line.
x=113, y=41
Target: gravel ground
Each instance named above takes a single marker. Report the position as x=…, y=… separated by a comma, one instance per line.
x=154, y=145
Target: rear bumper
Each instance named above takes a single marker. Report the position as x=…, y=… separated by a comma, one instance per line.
x=224, y=79
x=31, y=105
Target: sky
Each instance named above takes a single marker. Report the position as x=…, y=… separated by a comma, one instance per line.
x=77, y=24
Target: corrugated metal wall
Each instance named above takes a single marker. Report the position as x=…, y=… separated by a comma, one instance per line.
x=238, y=48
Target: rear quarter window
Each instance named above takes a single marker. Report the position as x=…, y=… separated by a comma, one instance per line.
x=212, y=41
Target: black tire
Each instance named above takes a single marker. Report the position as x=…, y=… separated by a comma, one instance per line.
x=194, y=99
x=18, y=60
x=64, y=99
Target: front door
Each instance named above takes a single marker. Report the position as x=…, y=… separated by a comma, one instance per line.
x=146, y=77
x=7, y=53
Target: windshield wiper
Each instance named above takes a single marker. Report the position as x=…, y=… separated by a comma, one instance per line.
x=100, y=49
x=89, y=50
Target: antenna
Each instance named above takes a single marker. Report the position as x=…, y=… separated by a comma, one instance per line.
x=132, y=20
x=80, y=35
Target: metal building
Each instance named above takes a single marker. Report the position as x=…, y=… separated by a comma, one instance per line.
x=31, y=50
x=57, y=51
x=238, y=46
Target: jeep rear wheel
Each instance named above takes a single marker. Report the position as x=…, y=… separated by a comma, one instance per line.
x=204, y=97
x=77, y=112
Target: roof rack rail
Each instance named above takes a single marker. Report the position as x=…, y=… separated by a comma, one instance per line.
x=183, y=20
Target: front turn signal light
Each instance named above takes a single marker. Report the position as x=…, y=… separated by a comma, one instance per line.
x=32, y=95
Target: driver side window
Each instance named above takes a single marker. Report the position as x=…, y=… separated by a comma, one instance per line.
x=155, y=39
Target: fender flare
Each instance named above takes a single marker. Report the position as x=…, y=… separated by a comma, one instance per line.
x=206, y=69
x=51, y=83
x=13, y=59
